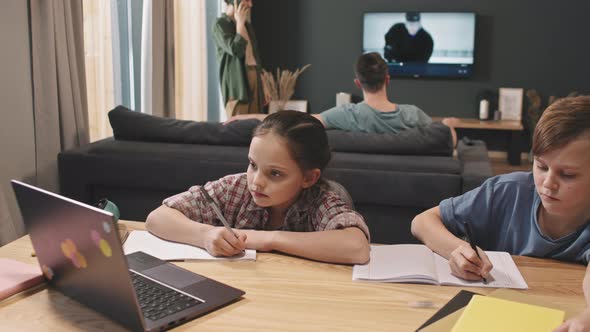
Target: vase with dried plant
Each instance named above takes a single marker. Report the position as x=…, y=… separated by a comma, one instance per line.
x=280, y=88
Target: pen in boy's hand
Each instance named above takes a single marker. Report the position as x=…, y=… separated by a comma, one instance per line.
x=472, y=242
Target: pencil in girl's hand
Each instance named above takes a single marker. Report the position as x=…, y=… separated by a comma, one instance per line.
x=217, y=211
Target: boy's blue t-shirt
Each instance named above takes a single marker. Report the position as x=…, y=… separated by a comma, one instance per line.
x=364, y=118
x=503, y=216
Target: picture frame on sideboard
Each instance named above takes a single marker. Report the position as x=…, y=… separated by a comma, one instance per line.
x=510, y=103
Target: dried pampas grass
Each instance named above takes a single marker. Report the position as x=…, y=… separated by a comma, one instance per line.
x=281, y=87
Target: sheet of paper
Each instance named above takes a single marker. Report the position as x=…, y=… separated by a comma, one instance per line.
x=517, y=296
x=400, y=263
x=505, y=274
x=446, y=324
x=484, y=313
x=167, y=250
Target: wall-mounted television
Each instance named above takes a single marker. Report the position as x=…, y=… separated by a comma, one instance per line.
x=422, y=44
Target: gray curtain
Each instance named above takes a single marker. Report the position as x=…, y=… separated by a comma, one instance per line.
x=163, y=58
x=10, y=230
x=59, y=83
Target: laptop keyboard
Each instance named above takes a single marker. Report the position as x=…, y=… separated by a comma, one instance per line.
x=158, y=301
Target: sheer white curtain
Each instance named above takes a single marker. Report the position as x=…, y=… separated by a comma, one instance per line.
x=173, y=60
x=10, y=228
x=190, y=40
x=157, y=62
x=98, y=51
x=222, y=113
x=146, y=58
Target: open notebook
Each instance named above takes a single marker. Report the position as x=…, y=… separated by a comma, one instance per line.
x=416, y=263
x=172, y=251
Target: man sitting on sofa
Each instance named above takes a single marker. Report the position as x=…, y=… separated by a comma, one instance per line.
x=376, y=114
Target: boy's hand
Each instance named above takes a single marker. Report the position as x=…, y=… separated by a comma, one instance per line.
x=580, y=323
x=466, y=265
x=219, y=241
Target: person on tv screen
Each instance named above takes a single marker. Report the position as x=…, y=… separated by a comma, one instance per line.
x=408, y=42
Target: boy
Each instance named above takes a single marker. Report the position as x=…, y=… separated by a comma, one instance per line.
x=543, y=214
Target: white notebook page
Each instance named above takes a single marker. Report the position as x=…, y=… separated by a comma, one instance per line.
x=505, y=274
x=407, y=261
x=167, y=250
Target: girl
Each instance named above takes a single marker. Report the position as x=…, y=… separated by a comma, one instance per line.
x=543, y=214
x=281, y=203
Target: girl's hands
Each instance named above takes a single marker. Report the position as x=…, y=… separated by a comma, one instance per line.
x=219, y=241
x=465, y=264
x=260, y=240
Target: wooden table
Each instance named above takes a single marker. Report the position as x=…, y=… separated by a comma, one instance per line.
x=512, y=127
x=285, y=293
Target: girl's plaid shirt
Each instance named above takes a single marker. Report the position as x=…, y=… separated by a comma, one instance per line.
x=317, y=209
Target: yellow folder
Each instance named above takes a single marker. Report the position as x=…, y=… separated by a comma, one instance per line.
x=487, y=314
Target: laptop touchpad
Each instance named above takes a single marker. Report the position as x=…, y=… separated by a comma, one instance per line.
x=173, y=275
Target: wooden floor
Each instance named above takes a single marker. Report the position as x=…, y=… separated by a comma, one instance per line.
x=501, y=166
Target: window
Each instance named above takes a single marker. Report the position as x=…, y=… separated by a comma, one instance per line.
x=117, y=39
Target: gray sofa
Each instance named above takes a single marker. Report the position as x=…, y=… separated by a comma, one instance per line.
x=391, y=180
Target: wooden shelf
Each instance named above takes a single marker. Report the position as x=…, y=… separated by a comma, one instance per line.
x=468, y=123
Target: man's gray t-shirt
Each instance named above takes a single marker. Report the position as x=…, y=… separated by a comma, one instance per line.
x=364, y=118
x=502, y=213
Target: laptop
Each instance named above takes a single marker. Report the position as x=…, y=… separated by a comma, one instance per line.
x=80, y=254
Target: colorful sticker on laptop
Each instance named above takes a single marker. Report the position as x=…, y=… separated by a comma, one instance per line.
x=79, y=260
x=95, y=236
x=105, y=248
x=68, y=247
x=106, y=226
x=101, y=243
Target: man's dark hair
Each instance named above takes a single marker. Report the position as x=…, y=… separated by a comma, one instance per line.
x=371, y=71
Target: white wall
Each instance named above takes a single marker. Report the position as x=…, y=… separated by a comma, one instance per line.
x=17, y=149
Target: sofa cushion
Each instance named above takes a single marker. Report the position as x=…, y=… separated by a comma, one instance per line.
x=410, y=164
x=172, y=152
x=135, y=126
x=432, y=140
